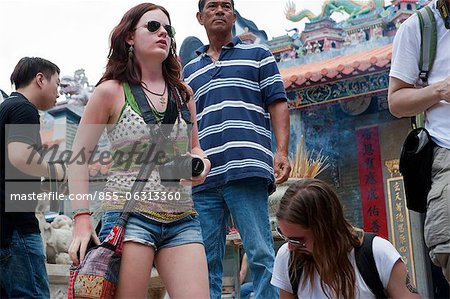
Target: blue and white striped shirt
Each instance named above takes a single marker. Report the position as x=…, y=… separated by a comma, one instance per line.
x=232, y=97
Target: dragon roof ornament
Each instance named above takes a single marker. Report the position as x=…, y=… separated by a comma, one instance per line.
x=353, y=8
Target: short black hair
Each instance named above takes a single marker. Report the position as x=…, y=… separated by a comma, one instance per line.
x=201, y=4
x=28, y=67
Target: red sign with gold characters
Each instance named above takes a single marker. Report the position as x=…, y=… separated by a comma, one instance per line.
x=371, y=181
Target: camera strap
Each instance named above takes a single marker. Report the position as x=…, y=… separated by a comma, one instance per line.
x=444, y=10
x=141, y=101
x=158, y=141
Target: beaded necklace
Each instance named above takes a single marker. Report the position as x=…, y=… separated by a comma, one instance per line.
x=162, y=100
x=158, y=115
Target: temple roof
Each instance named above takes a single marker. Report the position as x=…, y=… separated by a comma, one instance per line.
x=339, y=65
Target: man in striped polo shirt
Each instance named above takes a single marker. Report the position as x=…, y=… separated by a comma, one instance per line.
x=239, y=94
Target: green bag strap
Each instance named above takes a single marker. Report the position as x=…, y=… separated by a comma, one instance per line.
x=428, y=45
x=418, y=121
x=129, y=98
x=428, y=42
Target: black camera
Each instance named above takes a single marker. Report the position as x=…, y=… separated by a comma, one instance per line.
x=180, y=167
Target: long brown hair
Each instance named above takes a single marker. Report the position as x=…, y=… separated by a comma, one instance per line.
x=123, y=67
x=314, y=205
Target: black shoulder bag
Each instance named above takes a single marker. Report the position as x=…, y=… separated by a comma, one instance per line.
x=416, y=160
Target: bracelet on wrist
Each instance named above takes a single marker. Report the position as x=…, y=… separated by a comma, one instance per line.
x=74, y=217
x=81, y=213
x=83, y=210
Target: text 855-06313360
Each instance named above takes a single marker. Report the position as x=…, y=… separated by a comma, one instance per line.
x=139, y=196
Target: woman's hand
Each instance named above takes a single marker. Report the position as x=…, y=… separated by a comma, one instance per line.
x=197, y=180
x=83, y=232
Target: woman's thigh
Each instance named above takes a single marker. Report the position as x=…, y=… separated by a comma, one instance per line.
x=184, y=271
x=135, y=269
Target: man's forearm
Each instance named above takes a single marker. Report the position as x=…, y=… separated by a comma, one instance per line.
x=279, y=115
x=406, y=100
x=26, y=159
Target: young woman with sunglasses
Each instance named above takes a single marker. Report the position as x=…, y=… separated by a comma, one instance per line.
x=165, y=233
x=311, y=220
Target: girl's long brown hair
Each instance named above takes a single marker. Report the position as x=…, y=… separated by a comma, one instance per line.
x=123, y=67
x=314, y=205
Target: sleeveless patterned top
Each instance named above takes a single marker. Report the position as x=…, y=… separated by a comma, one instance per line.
x=127, y=140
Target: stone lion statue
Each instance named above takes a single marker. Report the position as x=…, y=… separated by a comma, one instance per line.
x=56, y=235
x=76, y=88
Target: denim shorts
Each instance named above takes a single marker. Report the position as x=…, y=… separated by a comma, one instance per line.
x=142, y=230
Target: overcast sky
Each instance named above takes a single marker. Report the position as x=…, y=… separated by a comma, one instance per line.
x=74, y=33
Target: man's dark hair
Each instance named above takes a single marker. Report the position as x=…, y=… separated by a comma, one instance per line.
x=201, y=4
x=28, y=67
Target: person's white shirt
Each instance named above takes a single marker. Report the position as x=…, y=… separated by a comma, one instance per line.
x=405, y=66
x=385, y=256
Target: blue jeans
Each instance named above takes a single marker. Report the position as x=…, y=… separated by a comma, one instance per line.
x=246, y=290
x=23, y=273
x=247, y=200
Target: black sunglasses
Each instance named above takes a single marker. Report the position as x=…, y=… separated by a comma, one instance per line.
x=154, y=26
x=292, y=242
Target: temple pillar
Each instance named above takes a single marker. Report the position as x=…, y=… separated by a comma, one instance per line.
x=406, y=232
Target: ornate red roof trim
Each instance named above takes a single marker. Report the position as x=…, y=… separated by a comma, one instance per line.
x=297, y=76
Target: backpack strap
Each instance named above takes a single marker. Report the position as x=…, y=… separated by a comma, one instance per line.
x=428, y=42
x=418, y=121
x=294, y=274
x=428, y=45
x=444, y=10
x=367, y=267
x=364, y=261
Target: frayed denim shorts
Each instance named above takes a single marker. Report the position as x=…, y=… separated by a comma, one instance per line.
x=158, y=235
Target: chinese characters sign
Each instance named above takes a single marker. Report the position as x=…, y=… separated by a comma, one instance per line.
x=371, y=181
x=400, y=227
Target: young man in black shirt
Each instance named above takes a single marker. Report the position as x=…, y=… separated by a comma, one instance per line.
x=22, y=257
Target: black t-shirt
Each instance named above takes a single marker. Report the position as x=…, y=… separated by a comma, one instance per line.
x=17, y=110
